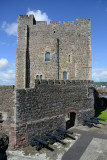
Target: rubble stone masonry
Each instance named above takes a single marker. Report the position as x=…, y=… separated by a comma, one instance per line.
x=7, y=112
x=44, y=108
x=33, y=111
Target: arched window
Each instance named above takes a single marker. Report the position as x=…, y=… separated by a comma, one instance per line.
x=69, y=58
x=47, y=56
x=37, y=77
x=64, y=75
x=40, y=76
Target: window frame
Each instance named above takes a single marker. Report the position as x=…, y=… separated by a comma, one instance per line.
x=1, y=118
x=37, y=76
x=47, y=59
x=41, y=76
x=69, y=58
x=64, y=75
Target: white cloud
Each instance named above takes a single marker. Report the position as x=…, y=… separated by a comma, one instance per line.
x=4, y=64
x=99, y=74
x=39, y=16
x=10, y=29
x=7, y=75
x=7, y=78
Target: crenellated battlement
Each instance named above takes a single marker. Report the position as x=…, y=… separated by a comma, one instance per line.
x=65, y=82
x=41, y=22
x=20, y=17
x=55, y=22
x=82, y=21
x=32, y=19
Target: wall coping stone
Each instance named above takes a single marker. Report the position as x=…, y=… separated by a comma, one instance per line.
x=57, y=82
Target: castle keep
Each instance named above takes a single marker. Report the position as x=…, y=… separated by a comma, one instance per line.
x=54, y=84
x=52, y=51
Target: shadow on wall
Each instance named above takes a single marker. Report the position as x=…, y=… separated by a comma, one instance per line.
x=4, y=141
x=3, y=156
x=100, y=105
x=98, y=112
x=99, y=102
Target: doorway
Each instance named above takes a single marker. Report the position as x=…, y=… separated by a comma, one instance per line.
x=70, y=120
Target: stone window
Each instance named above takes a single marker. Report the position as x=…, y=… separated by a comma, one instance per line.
x=47, y=56
x=69, y=58
x=37, y=77
x=1, y=118
x=64, y=75
x=40, y=76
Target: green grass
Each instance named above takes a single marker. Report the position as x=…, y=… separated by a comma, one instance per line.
x=101, y=113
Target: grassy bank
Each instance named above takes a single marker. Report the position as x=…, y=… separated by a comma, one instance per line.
x=101, y=113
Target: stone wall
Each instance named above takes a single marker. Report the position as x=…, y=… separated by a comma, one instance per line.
x=44, y=107
x=35, y=38
x=7, y=111
x=33, y=111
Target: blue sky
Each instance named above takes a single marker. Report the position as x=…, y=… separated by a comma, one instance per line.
x=63, y=10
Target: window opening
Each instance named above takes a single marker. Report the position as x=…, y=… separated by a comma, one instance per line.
x=1, y=118
x=64, y=75
x=69, y=58
x=40, y=76
x=37, y=77
x=47, y=56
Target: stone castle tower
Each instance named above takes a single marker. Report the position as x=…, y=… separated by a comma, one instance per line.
x=52, y=51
